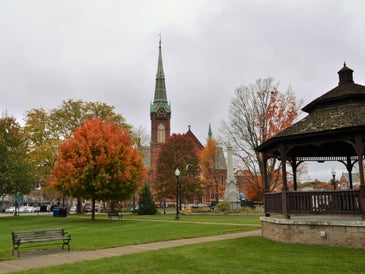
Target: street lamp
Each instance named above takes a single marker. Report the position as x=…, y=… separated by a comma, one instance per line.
x=333, y=172
x=177, y=174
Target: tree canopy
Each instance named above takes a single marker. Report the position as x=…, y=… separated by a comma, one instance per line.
x=45, y=130
x=16, y=170
x=98, y=162
x=257, y=112
x=208, y=158
x=178, y=152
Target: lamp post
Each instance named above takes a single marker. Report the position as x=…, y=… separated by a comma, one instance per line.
x=216, y=191
x=333, y=172
x=177, y=174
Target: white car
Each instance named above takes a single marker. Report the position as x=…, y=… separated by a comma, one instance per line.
x=10, y=210
x=27, y=209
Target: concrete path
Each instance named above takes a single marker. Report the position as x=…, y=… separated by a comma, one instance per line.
x=34, y=260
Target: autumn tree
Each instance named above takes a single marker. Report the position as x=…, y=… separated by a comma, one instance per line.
x=178, y=152
x=257, y=112
x=98, y=162
x=42, y=143
x=72, y=113
x=16, y=172
x=45, y=130
x=209, y=167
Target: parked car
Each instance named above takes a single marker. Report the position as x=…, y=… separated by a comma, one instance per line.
x=73, y=209
x=10, y=210
x=28, y=209
x=87, y=208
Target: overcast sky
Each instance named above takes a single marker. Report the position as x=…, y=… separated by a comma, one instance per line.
x=107, y=51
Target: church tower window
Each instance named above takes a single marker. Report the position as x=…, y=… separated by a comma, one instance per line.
x=161, y=133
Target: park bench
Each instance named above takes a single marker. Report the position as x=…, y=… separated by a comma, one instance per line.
x=34, y=236
x=115, y=213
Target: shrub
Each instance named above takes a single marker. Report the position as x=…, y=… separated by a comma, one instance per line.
x=224, y=206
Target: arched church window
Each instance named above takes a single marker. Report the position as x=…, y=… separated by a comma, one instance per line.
x=161, y=133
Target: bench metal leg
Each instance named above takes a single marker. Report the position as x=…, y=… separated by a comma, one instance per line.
x=15, y=247
x=66, y=242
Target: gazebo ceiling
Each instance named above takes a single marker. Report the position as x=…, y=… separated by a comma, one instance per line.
x=334, y=120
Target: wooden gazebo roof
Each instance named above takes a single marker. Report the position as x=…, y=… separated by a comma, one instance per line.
x=334, y=125
x=333, y=130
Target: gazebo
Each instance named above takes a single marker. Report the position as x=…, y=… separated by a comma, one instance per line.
x=333, y=130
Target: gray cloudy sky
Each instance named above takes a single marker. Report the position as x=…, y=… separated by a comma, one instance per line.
x=107, y=51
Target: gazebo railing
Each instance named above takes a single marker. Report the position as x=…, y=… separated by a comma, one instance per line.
x=272, y=203
x=314, y=202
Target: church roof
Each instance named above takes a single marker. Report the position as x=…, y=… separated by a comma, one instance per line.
x=220, y=161
x=197, y=145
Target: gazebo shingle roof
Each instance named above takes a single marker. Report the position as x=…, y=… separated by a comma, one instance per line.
x=336, y=115
x=342, y=107
x=329, y=118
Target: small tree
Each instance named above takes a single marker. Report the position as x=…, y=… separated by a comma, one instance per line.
x=209, y=167
x=224, y=206
x=16, y=170
x=46, y=129
x=178, y=152
x=98, y=162
x=146, y=204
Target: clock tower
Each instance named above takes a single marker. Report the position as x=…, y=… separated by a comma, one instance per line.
x=160, y=113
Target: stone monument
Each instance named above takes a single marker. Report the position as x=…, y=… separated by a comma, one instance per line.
x=231, y=193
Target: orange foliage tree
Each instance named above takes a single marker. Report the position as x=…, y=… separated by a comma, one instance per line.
x=257, y=112
x=98, y=162
x=255, y=187
x=178, y=152
x=208, y=158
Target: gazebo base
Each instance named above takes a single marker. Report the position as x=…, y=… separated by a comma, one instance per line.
x=331, y=230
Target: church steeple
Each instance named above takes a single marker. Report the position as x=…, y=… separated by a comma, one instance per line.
x=210, y=134
x=160, y=104
x=160, y=114
x=160, y=89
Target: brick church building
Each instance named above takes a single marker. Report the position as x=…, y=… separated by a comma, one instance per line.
x=160, y=115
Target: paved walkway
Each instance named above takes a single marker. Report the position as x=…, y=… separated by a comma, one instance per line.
x=34, y=260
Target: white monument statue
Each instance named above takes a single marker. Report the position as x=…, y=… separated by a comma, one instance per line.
x=231, y=193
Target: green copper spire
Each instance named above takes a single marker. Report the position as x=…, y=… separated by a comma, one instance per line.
x=160, y=104
x=210, y=134
x=160, y=89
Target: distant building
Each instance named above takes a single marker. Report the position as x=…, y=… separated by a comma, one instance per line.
x=344, y=182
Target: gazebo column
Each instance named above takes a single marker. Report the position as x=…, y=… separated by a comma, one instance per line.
x=265, y=179
x=294, y=166
x=284, y=202
x=359, y=147
x=349, y=165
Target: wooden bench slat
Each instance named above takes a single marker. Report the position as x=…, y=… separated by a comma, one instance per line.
x=33, y=236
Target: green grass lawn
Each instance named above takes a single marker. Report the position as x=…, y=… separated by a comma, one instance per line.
x=243, y=255
x=104, y=233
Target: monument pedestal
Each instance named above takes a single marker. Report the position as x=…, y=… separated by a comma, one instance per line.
x=235, y=205
x=231, y=193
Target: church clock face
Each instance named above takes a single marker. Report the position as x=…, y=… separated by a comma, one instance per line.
x=161, y=111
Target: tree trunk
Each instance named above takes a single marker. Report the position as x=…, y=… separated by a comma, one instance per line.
x=93, y=210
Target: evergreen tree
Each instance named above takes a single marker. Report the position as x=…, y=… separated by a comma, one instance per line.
x=146, y=203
